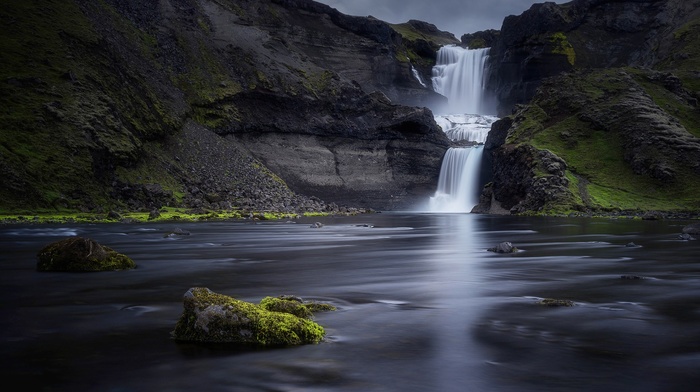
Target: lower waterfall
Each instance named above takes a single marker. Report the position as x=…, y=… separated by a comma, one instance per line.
x=458, y=186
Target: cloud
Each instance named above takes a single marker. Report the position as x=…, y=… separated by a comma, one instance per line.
x=455, y=16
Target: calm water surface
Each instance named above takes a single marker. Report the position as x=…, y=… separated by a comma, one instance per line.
x=422, y=306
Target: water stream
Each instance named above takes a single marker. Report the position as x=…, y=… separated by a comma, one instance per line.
x=422, y=306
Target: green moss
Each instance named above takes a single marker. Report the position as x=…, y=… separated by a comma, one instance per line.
x=527, y=124
x=477, y=43
x=561, y=45
x=79, y=254
x=598, y=156
x=318, y=82
x=687, y=114
x=294, y=305
x=408, y=32
x=215, y=318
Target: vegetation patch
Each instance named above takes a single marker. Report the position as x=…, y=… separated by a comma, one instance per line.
x=209, y=317
x=561, y=45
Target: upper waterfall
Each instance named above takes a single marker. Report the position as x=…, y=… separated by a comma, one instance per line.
x=459, y=75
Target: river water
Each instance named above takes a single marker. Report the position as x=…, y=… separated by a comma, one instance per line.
x=422, y=306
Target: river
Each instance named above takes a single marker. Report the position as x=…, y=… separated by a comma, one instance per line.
x=422, y=306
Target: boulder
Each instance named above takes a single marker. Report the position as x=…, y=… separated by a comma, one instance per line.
x=81, y=255
x=504, y=247
x=209, y=317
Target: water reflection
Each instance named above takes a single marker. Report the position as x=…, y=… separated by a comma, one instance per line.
x=457, y=360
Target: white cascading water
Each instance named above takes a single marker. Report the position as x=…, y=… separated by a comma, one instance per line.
x=459, y=76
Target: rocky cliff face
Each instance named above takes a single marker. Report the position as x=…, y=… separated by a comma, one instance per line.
x=209, y=104
x=549, y=39
x=611, y=122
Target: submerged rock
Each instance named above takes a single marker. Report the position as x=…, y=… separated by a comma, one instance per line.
x=316, y=225
x=556, y=302
x=504, y=247
x=177, y=231
x=81, y=255
x=209, y=317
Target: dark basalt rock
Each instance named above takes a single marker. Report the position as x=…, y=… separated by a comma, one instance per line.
x=202, y=104
x=504, y=247
x=553, y=302
x=550, y=38
x=78, y=254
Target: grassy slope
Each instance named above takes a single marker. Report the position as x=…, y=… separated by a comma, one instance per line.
x=411, y=36
x=598, y=173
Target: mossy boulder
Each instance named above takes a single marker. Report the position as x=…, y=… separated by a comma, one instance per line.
x=209, y=317
x=78, y=254
x=294, y=305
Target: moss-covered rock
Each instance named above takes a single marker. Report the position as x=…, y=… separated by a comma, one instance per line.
x=78, y=254
x=294, y=305
x=209, y=317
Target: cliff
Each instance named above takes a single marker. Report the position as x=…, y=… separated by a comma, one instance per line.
x=550, y=38
x=211, y=104
x=602, y=104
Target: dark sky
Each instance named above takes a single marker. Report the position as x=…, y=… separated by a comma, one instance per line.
x=456, y=16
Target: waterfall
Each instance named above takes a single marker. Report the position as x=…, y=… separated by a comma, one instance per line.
x=459, y=181
x=417, y=76
x=459, y=76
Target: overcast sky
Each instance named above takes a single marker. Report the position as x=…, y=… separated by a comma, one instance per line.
x=456, y=16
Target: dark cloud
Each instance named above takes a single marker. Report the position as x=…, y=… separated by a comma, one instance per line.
x=455, y=16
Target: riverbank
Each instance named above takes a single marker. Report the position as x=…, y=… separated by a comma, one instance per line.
x=166, y=215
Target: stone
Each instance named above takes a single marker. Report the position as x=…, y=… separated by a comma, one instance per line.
x=209, y=317
x=556, y=302
x=177, y=231
x=504, y=247
x=78, y=254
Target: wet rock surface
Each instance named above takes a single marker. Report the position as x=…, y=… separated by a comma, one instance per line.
x=78, y=254
x=209, y=317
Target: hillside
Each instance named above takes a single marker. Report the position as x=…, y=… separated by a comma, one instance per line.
x=603, y=110
x=269, y=105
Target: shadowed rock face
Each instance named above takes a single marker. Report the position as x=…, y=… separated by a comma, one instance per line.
x=601, y=99
x=125, y=101
x=550, y=38
x=598, y=141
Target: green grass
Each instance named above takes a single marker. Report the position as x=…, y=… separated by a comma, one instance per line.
x=410, y=33
x=598, y=157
